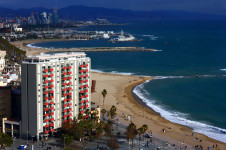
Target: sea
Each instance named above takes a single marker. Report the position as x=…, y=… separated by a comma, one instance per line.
x=189, y=68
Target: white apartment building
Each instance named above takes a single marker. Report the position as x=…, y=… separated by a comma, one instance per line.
x=2, y=59
x=55, y=89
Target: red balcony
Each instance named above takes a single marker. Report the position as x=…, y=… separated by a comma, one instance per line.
x=47, y=120
x=64, y=79
x=65, y=68
x=65, y=95
x=65, y=121
x=69, y=83
x=52, y=125
x=65, y=84
x=51, y=92
x=46, y=98
x=70, y=115
x=86, y=86
x=51, y=108
x=65, y=105
x=69, y=88
x=52, y=130
x=52, y=119
x=47, y=131
x=69, y=67
x=51, y=75
x=51, y=69
x=46, y=76
x=86, y=75
x=86, y=91
x=46, y=70
x=86, y=65
x=82, y=71
x=69, y=72
x=86, y=70
x=70, y=109
x=70, y=99
x=51, y=103
x=81, y=66
x=82, y=81
x=87, y=81
x=87, y=106
x=46, y=104
x=82, y=87
x=82, y=102
x=52, y=97
x=82, y=76
x=82, y=96
x=87, y=96
x=46, y=92
x=51, y=86
x=82, y=92
x=87, y=101
x=69, y=93
x=65, y=100
x=70, y=120
x=46, y=126
x=65, y=73
x=65, y=116
x=82, y=112
x=52, y=114
x=46, y=115
x=46, y=81
x=51, y=80
x=65, y=110
x=70, y=104
x=69, y=78
x=46, y=109
x=46, y=87
x=82, y=106
x=64, y=90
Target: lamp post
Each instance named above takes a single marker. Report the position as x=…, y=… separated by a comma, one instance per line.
x=27, y=136
x=64, y=141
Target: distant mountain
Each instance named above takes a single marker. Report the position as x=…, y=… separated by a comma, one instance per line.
x=91, y=13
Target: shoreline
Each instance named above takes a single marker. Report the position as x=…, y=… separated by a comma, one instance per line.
x=134, y=106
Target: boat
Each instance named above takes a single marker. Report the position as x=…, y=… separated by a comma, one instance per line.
x=123, y=38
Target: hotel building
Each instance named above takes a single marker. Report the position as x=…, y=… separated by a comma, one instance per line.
x=55, y=89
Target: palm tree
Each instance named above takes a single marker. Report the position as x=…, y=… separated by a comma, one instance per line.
x=140, y=132
x=104, y=94
x=145, y=128
x=131, y=132
x=112, y=112
x=103, y=111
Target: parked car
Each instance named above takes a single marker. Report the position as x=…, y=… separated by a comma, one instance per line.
x=22, y=147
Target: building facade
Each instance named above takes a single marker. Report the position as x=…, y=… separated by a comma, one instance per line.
x=5, y=103
x=55, y=90
x=2, y=60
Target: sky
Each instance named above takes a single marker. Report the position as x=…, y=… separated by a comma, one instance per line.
x=206, y=6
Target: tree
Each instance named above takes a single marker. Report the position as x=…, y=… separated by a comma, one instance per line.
x=140, y=132
x=113, y=143
x=103, y=111
x=145, y=128
x=95, y=116
x=67, y=139
x=5, y=139
x=112, y=112
x=131, y=132
x=104, y=94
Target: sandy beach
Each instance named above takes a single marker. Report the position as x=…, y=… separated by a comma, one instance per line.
x=119, y=88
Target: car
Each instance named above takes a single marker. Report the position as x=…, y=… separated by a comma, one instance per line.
x=22, y=147
x=147, y=136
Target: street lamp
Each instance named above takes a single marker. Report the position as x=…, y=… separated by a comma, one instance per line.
x=64, y=141
x=27, y=136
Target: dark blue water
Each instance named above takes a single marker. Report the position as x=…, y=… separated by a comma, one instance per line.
x=188, y=49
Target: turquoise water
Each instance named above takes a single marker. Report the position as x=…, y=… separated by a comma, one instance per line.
x=187, y=49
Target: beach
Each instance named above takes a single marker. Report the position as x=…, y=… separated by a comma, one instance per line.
x=120, y=87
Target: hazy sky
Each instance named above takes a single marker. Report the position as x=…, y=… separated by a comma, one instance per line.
x=209, y=6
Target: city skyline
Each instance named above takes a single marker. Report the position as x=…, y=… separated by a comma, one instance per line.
x=205, y=6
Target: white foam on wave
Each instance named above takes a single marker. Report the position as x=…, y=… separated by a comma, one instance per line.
x=32, y=46
x=223, y=69
x=122, y=73
x=96, y=70
x=177, y=117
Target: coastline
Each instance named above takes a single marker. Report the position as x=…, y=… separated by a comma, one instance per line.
x=129, y=103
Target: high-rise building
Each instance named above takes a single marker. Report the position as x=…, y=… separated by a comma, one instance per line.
x=55, y=16
x=55, y=90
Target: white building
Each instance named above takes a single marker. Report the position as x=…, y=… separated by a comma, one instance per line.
x=55, y=90
x=2, y=59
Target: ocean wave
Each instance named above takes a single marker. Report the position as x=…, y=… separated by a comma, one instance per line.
x=32, y=46
x=122, y=73
x=178, y=117
x=96, y=70
x=223, y=69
